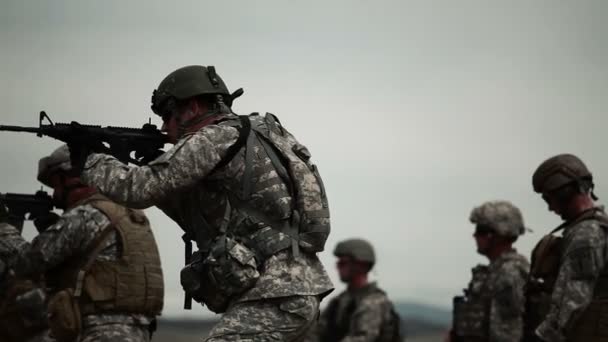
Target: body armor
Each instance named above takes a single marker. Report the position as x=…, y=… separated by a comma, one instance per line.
x=472, y=311
x=133, y=283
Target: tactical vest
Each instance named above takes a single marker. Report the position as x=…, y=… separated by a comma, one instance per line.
x=340, y=321
x=131, y=284
x=592, y=324
x=471, y=312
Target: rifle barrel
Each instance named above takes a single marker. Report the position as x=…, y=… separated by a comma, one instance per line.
x=19, y=129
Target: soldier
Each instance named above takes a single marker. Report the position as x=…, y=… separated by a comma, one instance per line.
x=246, y=192
x=99, y=261
x=22, y=302
x=363, y=312
x=493, y=305
x=568, y=291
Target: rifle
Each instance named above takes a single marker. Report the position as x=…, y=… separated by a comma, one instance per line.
x=144, y=143
x=27, y=207
x=20, y=205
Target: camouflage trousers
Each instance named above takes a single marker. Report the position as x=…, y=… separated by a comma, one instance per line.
x=281, y=319
x=42, y=337
x=115, y=332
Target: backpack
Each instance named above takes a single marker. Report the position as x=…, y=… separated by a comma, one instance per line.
x=310, y=226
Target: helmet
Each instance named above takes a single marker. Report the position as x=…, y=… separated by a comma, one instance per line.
x=358, y=249
x=58, y=160
x=501, y=217
x=187, y=82
x=558, y=171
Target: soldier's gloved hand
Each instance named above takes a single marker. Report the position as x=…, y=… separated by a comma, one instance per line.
x=42, y=222
x=81, y=146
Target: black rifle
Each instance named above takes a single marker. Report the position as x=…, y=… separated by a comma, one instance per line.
x=130, y=145
x=27, y=207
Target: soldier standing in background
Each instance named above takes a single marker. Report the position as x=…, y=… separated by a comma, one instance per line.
x=568, y=290
x=492, y=308
x=363, y=312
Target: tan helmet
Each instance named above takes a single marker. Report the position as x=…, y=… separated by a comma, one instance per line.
x=358, y=249
x=58, y=160
x=558, y=171
x=500, y=216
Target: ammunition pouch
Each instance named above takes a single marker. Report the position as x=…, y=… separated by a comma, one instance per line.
x=65, y=321
x=470, y=321
x=226, y=272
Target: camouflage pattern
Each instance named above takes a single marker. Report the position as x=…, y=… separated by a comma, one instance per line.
x=59, y=160
x=70, y=236
x=501, y=216
x=9, y=247
x=582, y=265
x=184, y=184
x=361, y=322
x=282, y=319
x=500, y=288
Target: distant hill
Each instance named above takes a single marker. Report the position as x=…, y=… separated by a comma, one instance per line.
x=424, y=313
x=419, y=320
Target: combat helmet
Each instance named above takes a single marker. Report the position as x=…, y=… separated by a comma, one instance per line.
x=502, y=217
x=187, y=82
x=358, y=249
x=558, y=171
x=59, y=160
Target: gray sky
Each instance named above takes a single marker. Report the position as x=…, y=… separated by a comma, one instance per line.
x=415, y=111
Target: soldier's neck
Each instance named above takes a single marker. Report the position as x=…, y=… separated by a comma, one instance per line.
x=578, y=205
x=358, y=281
x=498, y=251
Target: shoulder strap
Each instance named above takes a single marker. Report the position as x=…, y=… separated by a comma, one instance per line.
x=107, y=207
x=244, y=129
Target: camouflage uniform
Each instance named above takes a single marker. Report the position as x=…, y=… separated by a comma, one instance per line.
x=186, y=185
x=568, y=287
x=72, y=235
x=9, y=248
x=581, y=278
x=493, y=306
x=499, y=289
x=355, y=316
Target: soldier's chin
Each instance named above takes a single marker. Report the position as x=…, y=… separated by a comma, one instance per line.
x=481, y=251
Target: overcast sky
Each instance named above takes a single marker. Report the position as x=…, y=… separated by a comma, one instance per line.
x=414, y=111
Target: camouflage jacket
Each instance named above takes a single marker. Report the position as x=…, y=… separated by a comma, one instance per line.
x=499, y=287
x=582, y=258
x=185, y=184
x=355, y=316
x=69, y=237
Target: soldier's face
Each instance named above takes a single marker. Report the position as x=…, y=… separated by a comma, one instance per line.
x=170, y=126
x=483, y=239
x=345, y=266
x=556, y=205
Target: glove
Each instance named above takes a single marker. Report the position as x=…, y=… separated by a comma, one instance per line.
x=42, y=222
x=81, y=146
